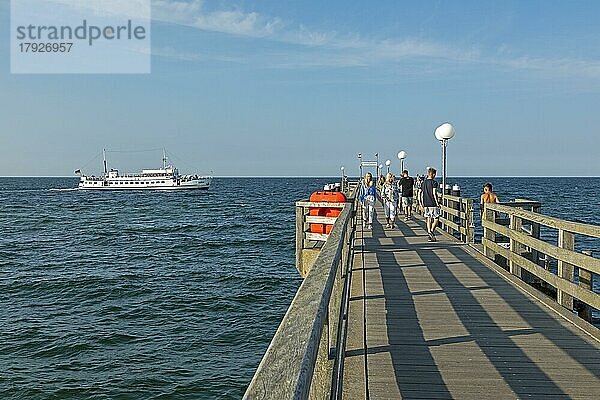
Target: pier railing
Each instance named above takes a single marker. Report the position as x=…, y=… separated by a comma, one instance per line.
x=457, y=217
x=299, y=362
x=522, y=250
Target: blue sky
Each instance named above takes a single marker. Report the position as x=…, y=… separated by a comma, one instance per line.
x=298, y=88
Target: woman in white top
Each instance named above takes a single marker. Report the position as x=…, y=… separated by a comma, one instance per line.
x=389, y=195
x=367, y=196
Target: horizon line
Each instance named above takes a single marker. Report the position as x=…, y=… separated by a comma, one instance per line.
x=332, y=176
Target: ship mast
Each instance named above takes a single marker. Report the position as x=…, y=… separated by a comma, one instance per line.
x=104, y=157
x=164, y=159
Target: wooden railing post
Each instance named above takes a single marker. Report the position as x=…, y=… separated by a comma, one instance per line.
x=470, y=222
x=447, y=215
x=516, y=224
x=489, y=215
x=535, y=232
x=344, y=260
x=456, y=206
x=585, y=281
x=452, y=204
x=566, y=240
x=300, y=239
x=329, y=319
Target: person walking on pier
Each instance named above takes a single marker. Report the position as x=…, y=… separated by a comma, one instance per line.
x=380, y=182
x=406, y=184
x=418, y=187
x=487, y=197
x=429, y=201
x=389, y=194
x=368, y=194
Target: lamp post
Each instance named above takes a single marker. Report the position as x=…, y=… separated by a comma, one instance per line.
x=387, y=164
x=342, y=169
x=360, y=166
x=379, y=170
x=443, y=133
x=401, y=157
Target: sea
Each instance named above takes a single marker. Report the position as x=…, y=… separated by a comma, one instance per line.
x=170, y=295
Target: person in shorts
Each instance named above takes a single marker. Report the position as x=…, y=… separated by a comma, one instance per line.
x=430, y=204
x=406, y=185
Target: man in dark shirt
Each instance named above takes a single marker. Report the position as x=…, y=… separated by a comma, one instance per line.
x=430, y=204
x=406, y=184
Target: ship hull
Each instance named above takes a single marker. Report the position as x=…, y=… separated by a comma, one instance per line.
x=165, y=188
x=142, y=185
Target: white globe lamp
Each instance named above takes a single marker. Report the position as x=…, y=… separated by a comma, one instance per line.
x=401, y=157
x=443, y=133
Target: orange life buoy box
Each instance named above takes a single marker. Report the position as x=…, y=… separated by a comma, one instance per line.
x=325, y=197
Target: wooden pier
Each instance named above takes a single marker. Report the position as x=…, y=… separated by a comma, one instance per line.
x=385, y=314
x=435, y=320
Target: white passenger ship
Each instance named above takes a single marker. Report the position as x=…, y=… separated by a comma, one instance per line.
x=165, y=178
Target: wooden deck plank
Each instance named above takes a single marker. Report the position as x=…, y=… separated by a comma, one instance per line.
x=354, y=379
x=440, y=324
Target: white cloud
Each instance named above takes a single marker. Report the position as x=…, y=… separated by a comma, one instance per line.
x=554, y=67
x=173, y=53
x=348, y=50
x=331, y=49
x=236, y=22
x=131, y=8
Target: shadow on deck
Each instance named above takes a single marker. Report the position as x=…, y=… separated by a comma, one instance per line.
x=432, y=320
